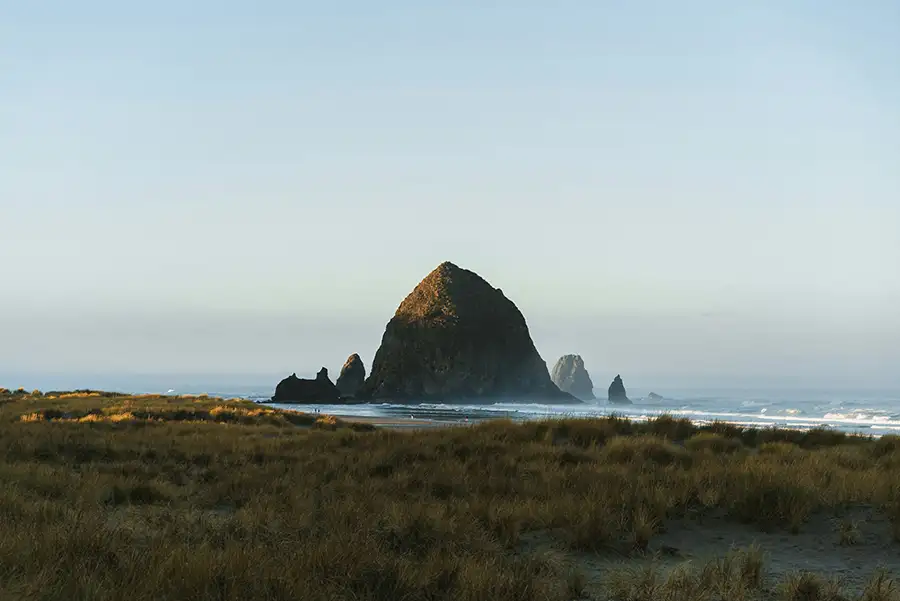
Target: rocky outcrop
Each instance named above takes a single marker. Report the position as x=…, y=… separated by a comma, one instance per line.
x=297, y=390
x=353, y=376
x=570, y=376
x=617, y=392
x=654, y=397
x=455, y=338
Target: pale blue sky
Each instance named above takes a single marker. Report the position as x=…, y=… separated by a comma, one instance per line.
x=694, y=190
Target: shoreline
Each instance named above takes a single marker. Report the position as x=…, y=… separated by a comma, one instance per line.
x=875, y=419
x=403, y=423
x=410, y=415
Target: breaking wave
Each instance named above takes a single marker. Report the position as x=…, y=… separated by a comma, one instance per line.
x=878, y=415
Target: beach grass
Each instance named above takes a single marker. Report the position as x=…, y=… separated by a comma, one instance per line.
x=116, y=497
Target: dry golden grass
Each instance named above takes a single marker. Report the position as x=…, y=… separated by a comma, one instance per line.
x=848, y=532
x=114, y=498
x=737, y=576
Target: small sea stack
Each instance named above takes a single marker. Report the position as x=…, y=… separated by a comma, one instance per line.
x=617, y=392
x=352, y=377
x=298, y=390
x=570, y=375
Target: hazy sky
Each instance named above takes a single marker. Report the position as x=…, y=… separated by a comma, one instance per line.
x=693, y=191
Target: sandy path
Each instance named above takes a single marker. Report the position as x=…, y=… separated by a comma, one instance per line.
x=817, y=548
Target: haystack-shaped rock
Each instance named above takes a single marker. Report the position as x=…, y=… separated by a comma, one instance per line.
x=617, y=392
x=570, y=376
x=298, y=390
x=454, y=338
x=353, y=376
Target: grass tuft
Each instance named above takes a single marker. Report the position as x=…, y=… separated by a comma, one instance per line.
x=712, y=443
x=848, y=533
x=806, y=586
x=738, y=575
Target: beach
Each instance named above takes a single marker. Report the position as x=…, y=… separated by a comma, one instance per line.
x=402, y=423
x=875, y=412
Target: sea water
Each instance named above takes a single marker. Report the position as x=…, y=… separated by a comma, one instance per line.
x=875, y=412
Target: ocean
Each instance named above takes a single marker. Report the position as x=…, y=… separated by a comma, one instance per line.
x=875, y=412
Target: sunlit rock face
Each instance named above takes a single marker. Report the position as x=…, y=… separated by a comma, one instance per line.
x=456, y=337
x=353, y=376
x=570, y=375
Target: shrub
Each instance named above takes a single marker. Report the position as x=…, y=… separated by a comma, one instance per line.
x=734, y=576
x=822, y=437
x=764, y=495
x=848, y=533
x=645, y=449
x=713, y=443
x=806, y=586
x=881, y=587
x=886, y=445
x=585, y=432
x=670, y=427
x=643, y=526
x=785, y=450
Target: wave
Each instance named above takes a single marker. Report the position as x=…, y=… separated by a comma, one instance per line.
x=870, y=417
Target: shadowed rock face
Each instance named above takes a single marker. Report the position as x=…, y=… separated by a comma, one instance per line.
x=570, y=376
x=456, y=337
x=353, y=376
x=298, y=390
x=617, y=392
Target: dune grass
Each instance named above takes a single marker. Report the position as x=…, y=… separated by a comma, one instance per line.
x=112, y=497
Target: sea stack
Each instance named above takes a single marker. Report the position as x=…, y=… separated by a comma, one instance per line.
x=617, y=392
x=456, y=338
x=570, y=376
x=297, y=390
x=353, y=376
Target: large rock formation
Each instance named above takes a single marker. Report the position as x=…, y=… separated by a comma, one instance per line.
x=570, y=376
x=297, y=390
x=353, y=376
x=456, y=337
x=617, y=392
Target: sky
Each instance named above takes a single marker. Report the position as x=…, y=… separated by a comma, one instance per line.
x=681, y=192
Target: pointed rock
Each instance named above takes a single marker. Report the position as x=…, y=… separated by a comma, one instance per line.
x=456, y=337
x=353, y=376
x=617, y=392
x=570, y=376
x=297, y=390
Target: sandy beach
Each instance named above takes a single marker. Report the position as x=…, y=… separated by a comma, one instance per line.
x=402, y=423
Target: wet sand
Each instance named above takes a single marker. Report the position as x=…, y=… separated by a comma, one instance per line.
x=402, y=423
